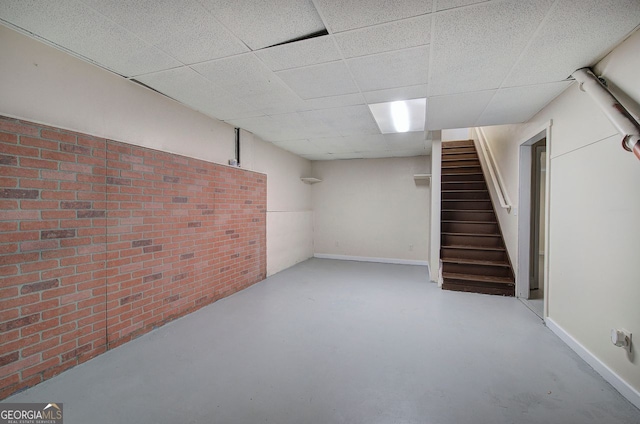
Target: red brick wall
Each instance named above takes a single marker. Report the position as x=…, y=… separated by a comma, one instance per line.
x=101, y=241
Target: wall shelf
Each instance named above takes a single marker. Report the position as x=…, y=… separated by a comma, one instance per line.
x=420, y=177
x=310, y=180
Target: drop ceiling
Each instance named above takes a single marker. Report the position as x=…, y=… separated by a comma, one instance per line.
x=301, y=73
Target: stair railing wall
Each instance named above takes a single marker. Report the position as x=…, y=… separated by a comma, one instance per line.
x=493, y=170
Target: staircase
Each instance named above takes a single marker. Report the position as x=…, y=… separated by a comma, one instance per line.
x=473, y=253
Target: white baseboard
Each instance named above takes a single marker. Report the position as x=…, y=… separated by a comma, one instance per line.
x=607, y=373
x=369, y=259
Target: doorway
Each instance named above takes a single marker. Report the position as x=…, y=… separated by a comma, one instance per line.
x=533, y=198
x=537, y=237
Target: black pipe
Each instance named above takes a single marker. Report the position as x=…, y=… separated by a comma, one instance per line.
x=238, y=146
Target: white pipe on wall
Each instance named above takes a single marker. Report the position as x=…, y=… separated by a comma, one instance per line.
x=617, y=114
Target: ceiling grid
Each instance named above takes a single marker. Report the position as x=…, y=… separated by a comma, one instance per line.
x=301, y=73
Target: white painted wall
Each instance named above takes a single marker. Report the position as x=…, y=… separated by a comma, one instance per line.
x=41, y=84
x=289, y=212
x=503, y=149
x=435, y=264
x=456, y=134
x=593, y=236
x=372, y=208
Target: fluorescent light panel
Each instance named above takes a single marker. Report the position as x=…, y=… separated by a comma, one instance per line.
x=400, y=116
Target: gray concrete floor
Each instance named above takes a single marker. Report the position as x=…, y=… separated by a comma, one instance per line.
x=342, y=342
x=536, y=306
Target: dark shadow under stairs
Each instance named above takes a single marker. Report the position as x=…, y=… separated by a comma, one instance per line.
x=473, y=253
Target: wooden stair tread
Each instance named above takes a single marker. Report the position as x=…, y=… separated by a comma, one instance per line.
x=456, y=144
x=464, y=173
x=457, y=221
x=467, y=247
x=452, y=158
x=480, y=278
x=469, y=165
x=476, y=262
x=463, y=182
x=464, y=191
x=466, y=210
x=466, y=200
x=449, y=233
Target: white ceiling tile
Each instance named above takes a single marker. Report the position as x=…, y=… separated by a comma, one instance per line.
x=184, y=29
x=349, y=120
x=411, y=153
x=475, y=47
x=347, y=156
x=270, y=96
x=295, y=126
x=392, y=69
x=518, y=104
x=243, y=75
x=327, y=79
x=81, y=30
x=456, y=110
x=355, y=143
x=386, y=37
x=332, y=145
x=299, y=147
x=406, y=141
x=261, y=24
x=237, y=70
x=254, y=124
x=333, y=102
x=452, y=4
x=369, y=143
x=276, y=108
x=266, y=127
x=376, y=155
x=233, y=111
x=324, y=156
x=376, y=149
x=350, y=14
x=192, y=89
x=575, y=35
x=307, y=121
x=392, y=94
x=301, y=53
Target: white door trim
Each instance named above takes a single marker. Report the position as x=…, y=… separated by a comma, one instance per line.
x=524, y=213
